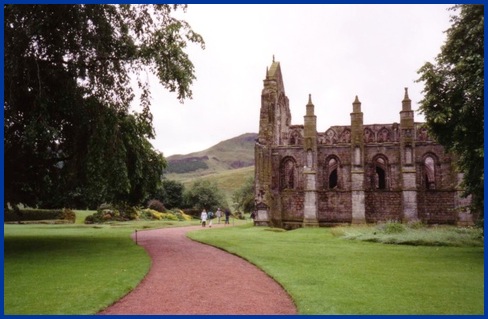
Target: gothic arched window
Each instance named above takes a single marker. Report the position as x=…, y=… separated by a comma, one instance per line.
x=380, y=173
x=288, y=174
x=332, y=173
x=429, y=172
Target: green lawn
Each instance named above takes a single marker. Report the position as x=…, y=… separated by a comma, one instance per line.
x=326, y=274
x=72, y=269
x=81, y=269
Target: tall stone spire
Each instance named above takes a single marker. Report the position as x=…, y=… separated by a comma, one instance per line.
x=406, y=103
x=310, y=106
x=356, y=105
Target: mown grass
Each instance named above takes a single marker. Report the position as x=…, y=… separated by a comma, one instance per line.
x=72, y=269
x=81, y=269
x=326, y=274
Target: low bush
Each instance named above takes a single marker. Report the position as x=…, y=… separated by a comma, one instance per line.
x=151, y=214
x=108, y=212
x=392, y=227
x=23, y=215
x=181, y=215
x=156, y=205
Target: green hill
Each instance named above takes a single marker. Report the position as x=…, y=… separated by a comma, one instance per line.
x=228, y=163
x=233, y=153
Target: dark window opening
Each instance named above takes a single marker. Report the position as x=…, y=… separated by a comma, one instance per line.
x=380, y=178
x=333, y=179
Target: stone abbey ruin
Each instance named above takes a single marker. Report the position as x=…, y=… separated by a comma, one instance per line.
x=360, y=173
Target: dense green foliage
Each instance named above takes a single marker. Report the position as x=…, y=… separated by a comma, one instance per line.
x=70, y=138
x=170, y=193
x=186, y=166
x=326, y=274
x=204, y=195
x=454, y=97
x=22, y=215
x=243, y=198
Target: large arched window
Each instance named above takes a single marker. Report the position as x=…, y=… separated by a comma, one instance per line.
x=429, y=172
x=288, y=173
x=332, y=173
x=380, y=173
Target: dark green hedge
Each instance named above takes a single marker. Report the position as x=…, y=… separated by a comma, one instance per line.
x=39, y=214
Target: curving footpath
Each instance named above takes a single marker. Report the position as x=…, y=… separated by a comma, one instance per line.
x=188, y=277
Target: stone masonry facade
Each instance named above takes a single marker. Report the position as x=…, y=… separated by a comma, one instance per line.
x=360, y=173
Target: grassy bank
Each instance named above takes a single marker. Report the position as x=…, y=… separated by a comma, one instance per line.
x=327, y=274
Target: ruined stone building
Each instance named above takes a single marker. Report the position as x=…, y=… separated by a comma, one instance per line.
x=359, y=173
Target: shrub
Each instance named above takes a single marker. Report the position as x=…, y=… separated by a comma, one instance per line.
x=416, y=224
x=39, y=214
x=108, y=212
x=156, y=205
x=181, y=215
x=152, y=214
x=392, y=227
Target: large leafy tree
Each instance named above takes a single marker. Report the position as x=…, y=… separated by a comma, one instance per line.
x=453, y=101
x=204, y=194
x=243, y=198
x=170, y=193
x=70, y=137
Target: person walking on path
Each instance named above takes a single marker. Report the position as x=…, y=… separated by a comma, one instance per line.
x=227, y=214
x=210, y=217
x=203, y=217
x=218, y=213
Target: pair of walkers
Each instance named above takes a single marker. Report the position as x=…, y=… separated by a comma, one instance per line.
x=210, y=215
x=204, y=216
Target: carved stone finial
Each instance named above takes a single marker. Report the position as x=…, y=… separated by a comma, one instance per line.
x=310, y=99
x=406, y=94
x=267, y=73
x=356, y=105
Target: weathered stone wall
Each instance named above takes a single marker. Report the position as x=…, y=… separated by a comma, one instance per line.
x=335, y=207
x=383, y=206
x=436, y=207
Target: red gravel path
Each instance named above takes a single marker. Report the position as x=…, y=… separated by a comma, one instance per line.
x=187, y=277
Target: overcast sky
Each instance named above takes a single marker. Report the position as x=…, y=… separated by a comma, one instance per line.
x=333, y=52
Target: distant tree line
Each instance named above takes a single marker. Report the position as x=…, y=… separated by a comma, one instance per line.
x=181, y=167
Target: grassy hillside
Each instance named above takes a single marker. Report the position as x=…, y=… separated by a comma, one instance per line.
x=229, y=163
x=233, y=153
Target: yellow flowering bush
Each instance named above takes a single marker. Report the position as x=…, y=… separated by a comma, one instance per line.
x=155, y=215
x=181, y=215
